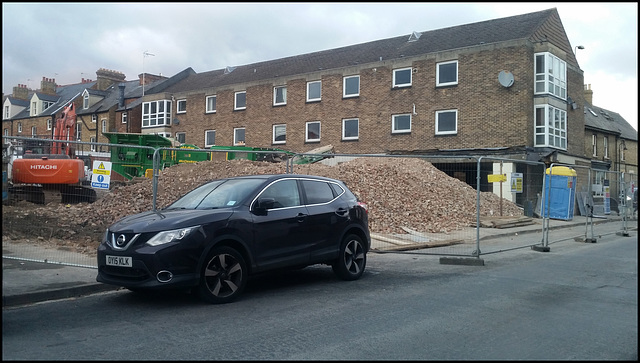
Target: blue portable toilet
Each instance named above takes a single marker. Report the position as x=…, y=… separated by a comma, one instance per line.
x=560, y=185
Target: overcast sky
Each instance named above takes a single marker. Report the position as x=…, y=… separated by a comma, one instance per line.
x=71, y=41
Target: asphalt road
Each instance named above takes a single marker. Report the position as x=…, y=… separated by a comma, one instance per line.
x=577, y=302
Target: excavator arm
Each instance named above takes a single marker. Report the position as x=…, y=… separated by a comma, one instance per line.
x=64, y=128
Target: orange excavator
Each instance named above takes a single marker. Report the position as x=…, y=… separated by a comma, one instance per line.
x=36, y=175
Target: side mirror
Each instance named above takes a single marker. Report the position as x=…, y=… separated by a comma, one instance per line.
x=262, y=204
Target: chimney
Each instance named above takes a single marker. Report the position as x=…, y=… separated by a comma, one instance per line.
x=588, y=94
x=107, y=77
x=21, y=92
x=48, y=86
x=121, y=95
x=149, y=78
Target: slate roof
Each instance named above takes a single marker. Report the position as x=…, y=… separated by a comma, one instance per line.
x=65, y=94
x=537, y=26
x=608, y=121
x=18, y=101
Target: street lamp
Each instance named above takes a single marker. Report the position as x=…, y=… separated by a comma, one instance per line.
x=144, y=55
x=575, y=49
x=622, y=146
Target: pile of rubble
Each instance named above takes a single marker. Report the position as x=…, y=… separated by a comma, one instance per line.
x=400, y=193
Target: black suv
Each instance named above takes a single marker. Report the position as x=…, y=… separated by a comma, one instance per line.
x=217, y=235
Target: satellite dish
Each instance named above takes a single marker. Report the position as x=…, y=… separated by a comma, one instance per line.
x=505, y=78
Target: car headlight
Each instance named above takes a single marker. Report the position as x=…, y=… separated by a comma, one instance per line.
x=170, y=236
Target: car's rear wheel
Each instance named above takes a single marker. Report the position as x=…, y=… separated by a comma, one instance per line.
x=224, y=276
x=352, y=258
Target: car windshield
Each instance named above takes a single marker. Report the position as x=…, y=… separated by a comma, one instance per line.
x=217, y=194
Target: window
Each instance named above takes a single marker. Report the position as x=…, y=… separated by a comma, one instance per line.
x=104, y=125
x=85, y=100
x=211, y=104
x=6, y=132
x=279, y=95
x=34, y=108
x=550, y=127
x=92, y=140
x=447, y=73
x=209, y=138
x=6, y=112
x=79, y=132
x=551, y=75
x=605, y=146
x=125, y=116
x=19, y=126
x=447, y=122
x=46, y=104
x=350, y=129
x=94, y=118
x=402, y=77
x=181, y=106
x=284, y=193
x=156, y=113
x=401, y=123
x=181, y=137
x=314, y=91
x=279, y=134
x=240, y=102
x=318, y=192
x=351, y=86
x=594, y=144
x=49, y=124
x=238, y=137
x=34, y=132
x=312, y=131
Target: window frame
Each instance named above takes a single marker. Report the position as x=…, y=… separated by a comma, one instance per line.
x=103, y=124
x=605, y=146
x=235, y=101
x=554, y=77
x=309, y=84
x=283, y=95
x=394, y=83
x=94, y=118
x=236, y=142
x=181, y=135
x=552, y=135
x=275, y=134
x=345, y=80
x=438, y=71
x=49, y=124
x=206, y=138
x=125, y=117
x=594, y=144
x=20, y=127
x=394, y=126
x=215, y=103
x=149, y=115
x=78, y=132
x=437, y=122
x=181, y=102
x=92, y=140
x=344, y=126
x=306, y=131
x=85, y=100
x=34, y=131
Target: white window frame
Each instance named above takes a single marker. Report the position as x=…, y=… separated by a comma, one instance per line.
x=103, y=124
x=49, y=124
x=237, y=142
x=79, y=132
x=6, y=132
x=594, y=144
x=550, y=76
x=6, y=112
x=183, y=136
x=94, y=118
x=394, y=124
x=306, y=131
x=450, y=83
x=344, y=129
x=125, y=117
x=181, y=106
x=235, y=100
x=208, y=103
x=309, y=85
x=20, y=127
x=34, y=108
x=34, y=131
x=206, y=138
x=395, y=83
x=348, y=79
x=553, y=128
x=277, y=131
x=155, y=117
x=446, y=132
x=279, y=95
x=85, y=100
x=92, y=140
x=605, y=146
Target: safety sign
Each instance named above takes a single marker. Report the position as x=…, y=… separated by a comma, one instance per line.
x=101, y=177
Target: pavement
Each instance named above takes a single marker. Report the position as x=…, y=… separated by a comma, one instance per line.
x=28, y=277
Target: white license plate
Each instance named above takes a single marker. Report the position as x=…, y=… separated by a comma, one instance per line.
x=119, y=261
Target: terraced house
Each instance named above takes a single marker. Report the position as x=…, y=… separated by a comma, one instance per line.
x=509, y=88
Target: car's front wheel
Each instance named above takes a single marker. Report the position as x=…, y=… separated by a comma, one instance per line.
x=352, y=258
x=224, y=276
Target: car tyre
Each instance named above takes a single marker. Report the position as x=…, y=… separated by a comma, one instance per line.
x=352, y=258
x=224, y=276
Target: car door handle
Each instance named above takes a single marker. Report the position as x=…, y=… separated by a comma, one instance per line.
x=342, y=212
x=301, y=217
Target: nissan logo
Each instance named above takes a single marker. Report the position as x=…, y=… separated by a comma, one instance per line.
x=121, y=240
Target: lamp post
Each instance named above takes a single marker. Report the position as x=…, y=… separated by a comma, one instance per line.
x=622, y=146
x=144, y=55
x=575, y=49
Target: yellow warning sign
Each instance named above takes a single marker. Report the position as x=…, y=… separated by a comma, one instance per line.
x=497, y=178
